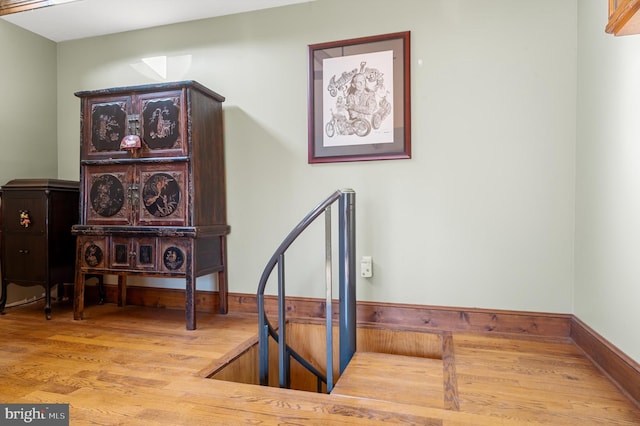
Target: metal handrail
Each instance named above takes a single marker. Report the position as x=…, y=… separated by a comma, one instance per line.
x=347, y=318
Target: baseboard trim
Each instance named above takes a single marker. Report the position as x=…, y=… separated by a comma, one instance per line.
x=426, y=317
x=619, y=368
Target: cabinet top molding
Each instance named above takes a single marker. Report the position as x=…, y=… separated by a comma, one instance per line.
x=39, y=183
x=153, y=88
x=624, y=18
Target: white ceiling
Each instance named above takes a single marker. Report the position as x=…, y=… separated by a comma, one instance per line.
x=88, y=18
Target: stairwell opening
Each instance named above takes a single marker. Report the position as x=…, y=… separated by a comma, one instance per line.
x=307, y=337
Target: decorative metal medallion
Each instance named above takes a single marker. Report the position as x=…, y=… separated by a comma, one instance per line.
x=25, y=218
x=107, y=195
x=108, y=126
x=173, y=258
x=93, y=255
x=161, y=123
x=161, y=194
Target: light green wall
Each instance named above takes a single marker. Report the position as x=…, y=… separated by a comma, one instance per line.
x=481, y=216
x=607, y=281
x=28, y=118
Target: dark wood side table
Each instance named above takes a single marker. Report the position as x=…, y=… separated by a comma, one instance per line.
x=37, y=246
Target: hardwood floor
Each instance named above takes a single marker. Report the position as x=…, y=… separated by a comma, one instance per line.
x=139, y=366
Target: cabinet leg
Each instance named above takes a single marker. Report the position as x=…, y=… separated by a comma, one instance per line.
x=47, y=301
x=190, y=295
x=3, y=297
x=122, y=290
x=78, y=296
x=222, y=292
x=222, y=279
x=102, y=295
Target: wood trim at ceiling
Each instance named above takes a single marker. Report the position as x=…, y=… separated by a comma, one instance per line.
x=624, y=18
x=14, y=6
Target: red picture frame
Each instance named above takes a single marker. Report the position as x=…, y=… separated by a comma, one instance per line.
x=359, y=99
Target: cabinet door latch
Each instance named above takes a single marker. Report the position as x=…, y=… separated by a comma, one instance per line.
x=134, y=124
x=132, y=140
x=134, y=195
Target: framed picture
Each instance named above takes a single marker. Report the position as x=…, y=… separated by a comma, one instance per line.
x=359, y=99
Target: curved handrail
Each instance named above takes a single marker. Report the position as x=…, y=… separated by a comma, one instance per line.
x=295, y=233
x=266, y=330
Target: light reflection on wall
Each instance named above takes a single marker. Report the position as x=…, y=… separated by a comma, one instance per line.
x=164, y=68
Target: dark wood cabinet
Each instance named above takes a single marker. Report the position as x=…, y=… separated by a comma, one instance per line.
x=37, y=245
x=153, y=188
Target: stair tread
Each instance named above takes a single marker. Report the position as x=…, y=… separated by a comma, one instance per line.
x=395, y=378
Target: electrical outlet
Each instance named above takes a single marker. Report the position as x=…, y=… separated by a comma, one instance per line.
x=366, y=267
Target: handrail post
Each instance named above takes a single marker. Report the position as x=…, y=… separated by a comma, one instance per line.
x=283, y=355
x=263, y=342
x=347, y=276
x=329, y=297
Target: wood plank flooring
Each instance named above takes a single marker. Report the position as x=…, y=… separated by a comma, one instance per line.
x=139, y=366
x=415, y=381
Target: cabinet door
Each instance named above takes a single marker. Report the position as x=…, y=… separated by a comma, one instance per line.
x=121, y=253
x=146, y=253
x=139, y=253
x=110, y=192
x=107, y=120
x=24, y=212
x=26, y=258
x=162, y=123
x=163, y=194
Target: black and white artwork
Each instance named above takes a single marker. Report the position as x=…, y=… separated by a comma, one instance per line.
x=358, y=99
